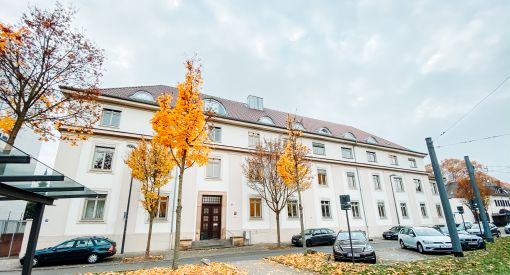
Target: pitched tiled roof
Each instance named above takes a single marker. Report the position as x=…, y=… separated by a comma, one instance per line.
x=240, y=111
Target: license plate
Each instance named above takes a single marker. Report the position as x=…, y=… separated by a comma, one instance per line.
x=355, y=255
x=473, y=243
x=445, y=246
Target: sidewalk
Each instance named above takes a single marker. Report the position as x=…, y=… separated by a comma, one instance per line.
x=9, y=265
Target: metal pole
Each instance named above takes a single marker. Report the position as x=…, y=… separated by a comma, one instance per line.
x=126, y=215
x=394, y=199
x=463, y=222
x=350, y=240
x=360, y=189
x=32, y=239
x=481, y=209
x=448, y=214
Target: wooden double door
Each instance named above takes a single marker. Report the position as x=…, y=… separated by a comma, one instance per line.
x=210, y=221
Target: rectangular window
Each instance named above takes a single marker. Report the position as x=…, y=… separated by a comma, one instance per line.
x=103, y=157
x=110, y=118
x=381, y=209
x=292, y=209
x=346, y=153
x=255, y=208
x=412, y=163
x=439, y=210
x=434, y=188
x=393, y=160
x=399, y=185
x=215, y=134
x=318, y=148
x=423, y=209
x=371, y=157
x=351, y=180
x=355, y=209
x=325, y=208
x=162, y=207
x=417, y=183
x=213, y=169
x=377, y=182
x=93, y=209
x=403, y=210
x=321, y=177
x=253, y=139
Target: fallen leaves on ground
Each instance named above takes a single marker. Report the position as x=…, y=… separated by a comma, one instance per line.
x=190, y=269
x=142, y=259
x=494, y=260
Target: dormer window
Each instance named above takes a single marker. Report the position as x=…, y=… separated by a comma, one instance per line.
x=143, y=96
x=212, y=105
x=371, y=140
x=324, y=131
x=299, y=126
x=266, y=120
x=349, y=135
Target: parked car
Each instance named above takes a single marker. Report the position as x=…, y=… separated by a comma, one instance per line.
x=478, y=230
x=361, y=248
x=467, y=241
x=315, y=236
x=462, y=227
x=507, y=228
x=392, y=233
x=89, y=249
x=424, y=239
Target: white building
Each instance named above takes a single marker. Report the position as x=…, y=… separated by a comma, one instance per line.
x=387, y=182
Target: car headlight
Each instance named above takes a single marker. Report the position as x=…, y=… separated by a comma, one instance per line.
x=427, y=241
x=368, y=248
x=338, y=247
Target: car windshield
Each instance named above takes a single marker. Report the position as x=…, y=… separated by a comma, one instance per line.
x=342, y=236
x=395, y=229
x=308, y=231
x=463, y=232
x=475, y=226
x=427, y=232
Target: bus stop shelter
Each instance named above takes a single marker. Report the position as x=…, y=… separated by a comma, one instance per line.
x=23, y=177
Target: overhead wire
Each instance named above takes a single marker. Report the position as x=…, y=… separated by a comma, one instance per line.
x=472, y=140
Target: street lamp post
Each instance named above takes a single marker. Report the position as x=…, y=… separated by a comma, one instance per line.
x=394, y=199
x=126, y=214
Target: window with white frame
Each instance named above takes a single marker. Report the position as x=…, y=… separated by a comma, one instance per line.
x=215, y=134
x=399, y=184
x=417, y=183
x=322, y=177
x=434, y=188
x=325, y=209
x=253, y=139
x=377, y=182
x=347, y=153
x=93, y=208
x=423, y=209
x=439, y=210
x=292, y=208
x=351, y=180
x=318, y=148
x=213, y=169
x=371, y=156
x=393, y=160
x=381, y=209
x=412, y=163
x=355, y=209
x=255, y=208
x=103, y=157
x=110, y=118
x=403, y=210
x=162, y=207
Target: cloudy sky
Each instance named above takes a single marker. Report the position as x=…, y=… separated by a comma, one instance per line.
x=403, y=70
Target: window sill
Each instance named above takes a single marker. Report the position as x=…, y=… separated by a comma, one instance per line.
x=91, y=221
x=256, y=219
x=322, y=185
x=100, y=171
x=109, y=126
x=293, y=218
x=212, y=179
x=327, y=218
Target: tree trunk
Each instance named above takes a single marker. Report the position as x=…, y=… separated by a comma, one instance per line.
x=15, y=130
x=278, y=228
x=148, y=248
x=178, y=210
x=302, y=223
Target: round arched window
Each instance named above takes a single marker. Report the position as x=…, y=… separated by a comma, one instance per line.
x=266, y=120
x=143, y=96
x=324, y=131
x=349, y=135
x=212, y=105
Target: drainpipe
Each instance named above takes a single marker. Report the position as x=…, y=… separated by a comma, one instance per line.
x=394, y=199
x=173, y=209
x=360, y=189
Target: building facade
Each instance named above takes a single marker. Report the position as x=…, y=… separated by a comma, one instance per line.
x=387, y=183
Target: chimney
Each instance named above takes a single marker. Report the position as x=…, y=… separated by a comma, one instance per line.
x=255, y=102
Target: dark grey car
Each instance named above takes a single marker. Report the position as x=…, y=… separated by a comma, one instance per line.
x=361, y=249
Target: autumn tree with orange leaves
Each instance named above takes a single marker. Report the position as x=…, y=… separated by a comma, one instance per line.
x=294, y=167
x=454, y=169
x=46, y=55
x=151, y=164
x=183, y=129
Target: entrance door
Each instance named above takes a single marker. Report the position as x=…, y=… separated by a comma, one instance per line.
x=210, y=224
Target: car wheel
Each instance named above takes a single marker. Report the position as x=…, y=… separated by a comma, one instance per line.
x=402, y=245
x=420, y=248
x=92, y=258
x=308, y=243
x=374, y=261
x=35, y=262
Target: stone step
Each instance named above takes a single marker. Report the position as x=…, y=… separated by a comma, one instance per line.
x=208, y=244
